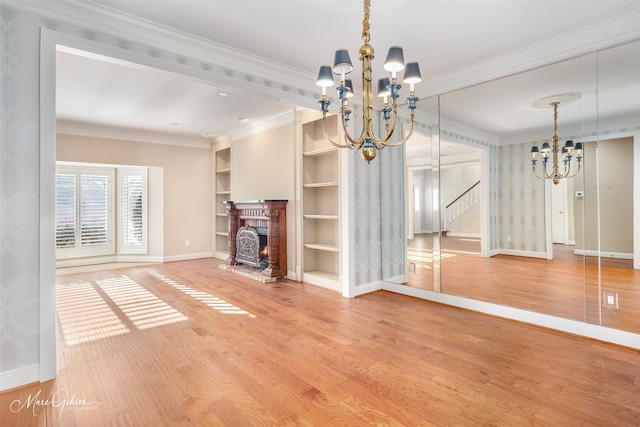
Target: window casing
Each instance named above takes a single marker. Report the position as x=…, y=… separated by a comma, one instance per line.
x=84, y=212
x=132, y=210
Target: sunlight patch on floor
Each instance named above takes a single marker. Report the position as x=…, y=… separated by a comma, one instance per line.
x=426, y=255
x=212, y=301
x=144, y=309
x=85, y=315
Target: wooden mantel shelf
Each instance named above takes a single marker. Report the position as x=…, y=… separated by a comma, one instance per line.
x=269, y=214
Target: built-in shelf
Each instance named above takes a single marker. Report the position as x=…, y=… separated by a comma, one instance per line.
x=321, y=152
x=320, y=201
x=321, y=184
x=322, y=247
x=322, y=278
x=222, y=193
x=317, y=216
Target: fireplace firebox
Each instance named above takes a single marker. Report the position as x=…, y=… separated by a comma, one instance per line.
x=258, y=235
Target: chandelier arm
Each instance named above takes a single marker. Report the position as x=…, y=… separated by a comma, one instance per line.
x=406, y=138
x=575, y=173
x=354, y=142
x=535, y=172
x=545, y=175
x=328, y=138
x=380, y=143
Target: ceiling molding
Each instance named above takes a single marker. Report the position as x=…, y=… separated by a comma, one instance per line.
x=608, y=34
x=98, y=131
x=225, y=65
x=197, y=57
x=578, y=132
x=279, y=120
x=457, y=132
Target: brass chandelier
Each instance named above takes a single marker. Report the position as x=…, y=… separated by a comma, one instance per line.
x=564, y=155
x=367, y=140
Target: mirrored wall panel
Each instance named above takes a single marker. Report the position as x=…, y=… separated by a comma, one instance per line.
x=533, y=181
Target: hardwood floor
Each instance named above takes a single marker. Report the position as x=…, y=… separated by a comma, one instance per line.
x=184, y=343
x=568, y=286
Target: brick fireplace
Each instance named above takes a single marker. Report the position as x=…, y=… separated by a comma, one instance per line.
x=258, y=235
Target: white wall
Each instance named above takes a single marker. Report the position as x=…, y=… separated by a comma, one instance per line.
x=262, y=168
x=186, y=196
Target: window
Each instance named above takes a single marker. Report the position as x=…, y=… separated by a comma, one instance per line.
x=84, y=206
x=132, y=219
x=85, y=211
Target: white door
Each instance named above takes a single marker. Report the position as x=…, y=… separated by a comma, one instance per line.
x=558, y=212
x=417, y=204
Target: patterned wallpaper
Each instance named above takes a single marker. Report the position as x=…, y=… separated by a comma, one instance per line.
x=367, y=214
x=19, y=189
x=521, y=204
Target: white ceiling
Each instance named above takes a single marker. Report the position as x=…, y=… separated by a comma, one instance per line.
x=444, y=36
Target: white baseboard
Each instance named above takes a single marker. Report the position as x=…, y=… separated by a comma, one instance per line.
x=366, y=288
x=620, y=255
x=19, y=376
x=186, y=257
x=515, y=252
x=79, y=262
x=597, y=332
x=469, y=235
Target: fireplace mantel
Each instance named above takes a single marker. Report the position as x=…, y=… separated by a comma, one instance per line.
x=269, y=214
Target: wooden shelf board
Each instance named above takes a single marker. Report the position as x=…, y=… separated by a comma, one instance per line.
x=322, y=247
x=223, y=192
x=224, y=170
x=317, y=216
x=222, y=233
x=221, y=214
x=321, y=184
x=321, y=152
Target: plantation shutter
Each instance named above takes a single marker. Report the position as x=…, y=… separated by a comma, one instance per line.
x=133, y=210
x=65, y=210
x=94, y=210
x=84, y=214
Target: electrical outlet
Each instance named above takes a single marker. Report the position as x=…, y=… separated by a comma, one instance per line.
x=187, y=243
x=610, y=299
x=412, y=267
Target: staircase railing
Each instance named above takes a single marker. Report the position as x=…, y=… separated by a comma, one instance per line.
x=461, y=204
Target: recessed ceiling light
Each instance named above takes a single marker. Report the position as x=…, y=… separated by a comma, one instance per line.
x=174, y=124
x=223, y=94
x=242, y=119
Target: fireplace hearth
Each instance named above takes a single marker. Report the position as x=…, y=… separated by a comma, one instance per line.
x=258, y=236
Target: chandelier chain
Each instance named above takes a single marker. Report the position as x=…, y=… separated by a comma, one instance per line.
x=365, y=22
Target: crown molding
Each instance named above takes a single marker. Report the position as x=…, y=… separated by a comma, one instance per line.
x=122, y=134
x=457, y=132
x=220, y=64
x=581, y=42
x=197, y=56
x=279, y=120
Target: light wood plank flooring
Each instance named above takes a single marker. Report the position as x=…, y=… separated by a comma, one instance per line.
x=184, y=343
x=568, y=286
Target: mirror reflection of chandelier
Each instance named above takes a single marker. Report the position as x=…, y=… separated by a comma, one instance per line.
x=565, y=155
x=367, y=141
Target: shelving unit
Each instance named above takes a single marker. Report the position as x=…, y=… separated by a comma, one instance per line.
x=223, y=192
x=320, y=204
